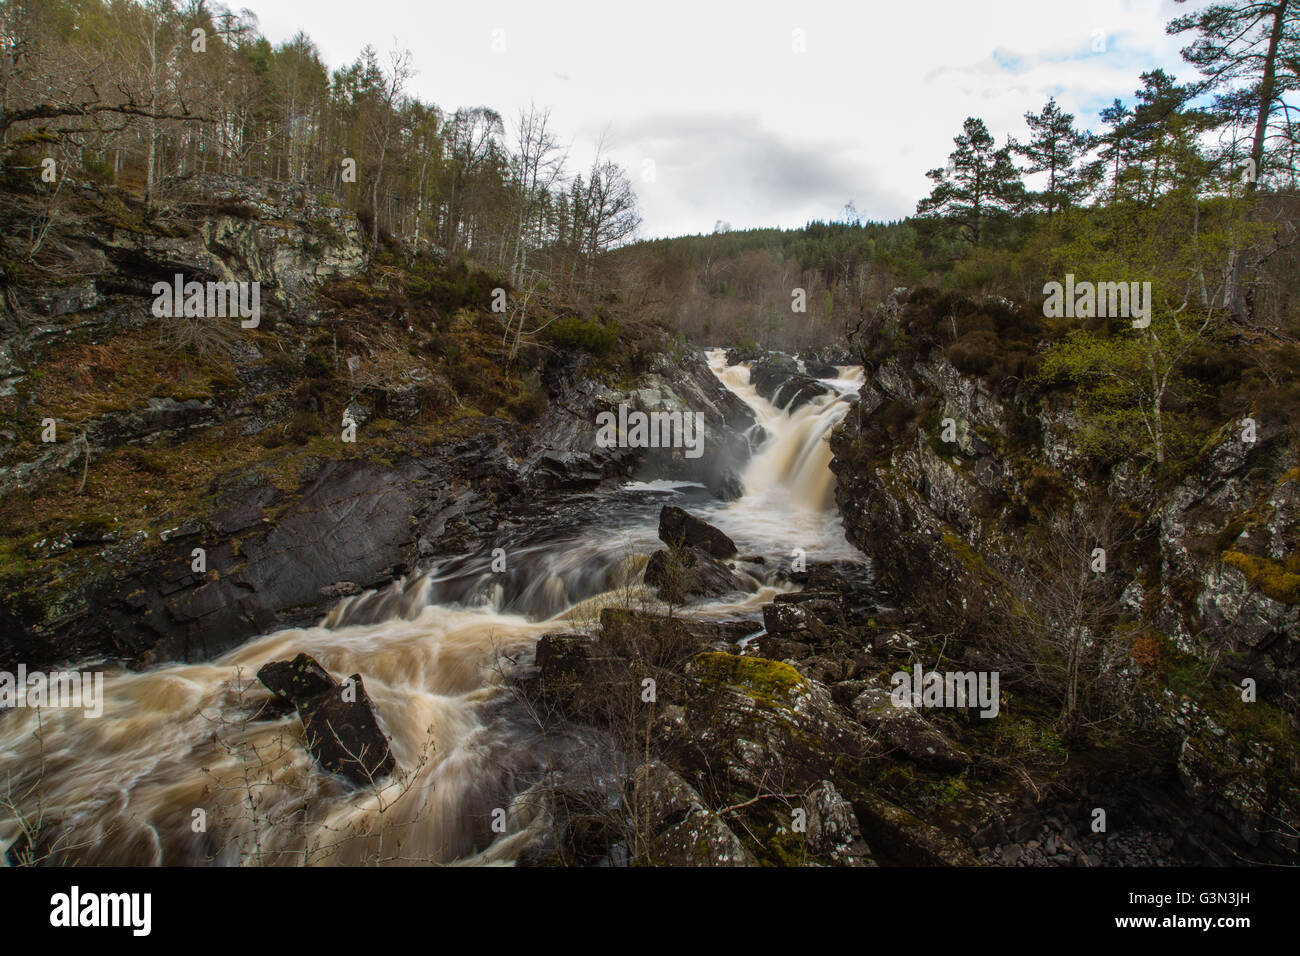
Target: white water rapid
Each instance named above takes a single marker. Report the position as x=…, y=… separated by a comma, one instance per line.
x=180, y=768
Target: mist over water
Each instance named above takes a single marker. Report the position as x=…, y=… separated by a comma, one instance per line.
x=433, y=650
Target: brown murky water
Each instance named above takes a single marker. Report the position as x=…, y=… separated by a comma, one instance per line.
x=177, y=770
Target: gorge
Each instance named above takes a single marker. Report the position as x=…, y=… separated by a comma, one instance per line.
x=601, y=653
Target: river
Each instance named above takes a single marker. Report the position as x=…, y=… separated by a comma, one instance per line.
x=182, y=770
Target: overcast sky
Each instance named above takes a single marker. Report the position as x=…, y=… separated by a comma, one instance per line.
x=717, y=114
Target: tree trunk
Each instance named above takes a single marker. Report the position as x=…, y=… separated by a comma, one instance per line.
x=1157, y=408
x=1266, y=90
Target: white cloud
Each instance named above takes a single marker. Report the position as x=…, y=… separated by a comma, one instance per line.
x=741, y=127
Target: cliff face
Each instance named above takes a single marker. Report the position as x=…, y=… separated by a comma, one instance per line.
x=1197, y=575
x=177, y=434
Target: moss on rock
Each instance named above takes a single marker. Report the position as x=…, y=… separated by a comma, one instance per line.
x=769, y=683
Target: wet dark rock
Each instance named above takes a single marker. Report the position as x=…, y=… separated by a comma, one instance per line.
x=638, y=635
x=558, y=470
x=685, y=573
x=354, y=525
x=777, y=647
x=339, y=720
x=905, y=729
x=678, y=527
x=778, y=379
x=828, y=357
x=850, y=586
x=728, y=486
x=339, y=589
x=735, y=356
x=680, y=829
x=816, y=619
x=783, y=618
x=564, y=676
x=297, y=680
x=721, y=633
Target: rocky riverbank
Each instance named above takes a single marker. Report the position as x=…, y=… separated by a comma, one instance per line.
x=199, y=488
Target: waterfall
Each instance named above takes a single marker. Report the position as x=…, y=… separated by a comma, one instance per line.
x=186, y=767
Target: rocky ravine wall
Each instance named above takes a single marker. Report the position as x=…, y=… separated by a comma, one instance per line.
x=931, y=518
x=280, y=548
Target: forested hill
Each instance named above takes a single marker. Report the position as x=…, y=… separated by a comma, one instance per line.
x=1189, y=184
x=735, y=287
x=131, y=94
x=807, y=287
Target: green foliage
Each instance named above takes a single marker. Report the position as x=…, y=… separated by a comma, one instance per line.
x=979, y=189
x=96, y=169
x=447, y=289
x=748, y=349
x=590, y=335
x=532, y=399
x=768, y=683
x=1055, y=147
x=1131, y=394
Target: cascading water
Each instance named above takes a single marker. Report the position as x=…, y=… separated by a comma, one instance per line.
x=183, y=767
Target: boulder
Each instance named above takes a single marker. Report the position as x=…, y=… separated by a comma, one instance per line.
x=809, y=617
x=676, y=826
x=778, y=379
x=821, y=370
x=905, y=730
x=341, y=726
x=905, y=839
x=686, y=573
x=637, y=635
x=564, y=672
x=678, y=527
x=832, y=828
x=300, y=679
x=760, y=726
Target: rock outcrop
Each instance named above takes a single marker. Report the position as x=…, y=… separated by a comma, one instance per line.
x=778, y=379
x=251, y=508
x=949, y=525
x=338, y=719
x=678, y=528
x=693, y=565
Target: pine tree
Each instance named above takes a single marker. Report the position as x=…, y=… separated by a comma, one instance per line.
x=1114, y=148
x=980, y=186
x=1250, y=43
x=1164, y=131
x=1055, y=147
